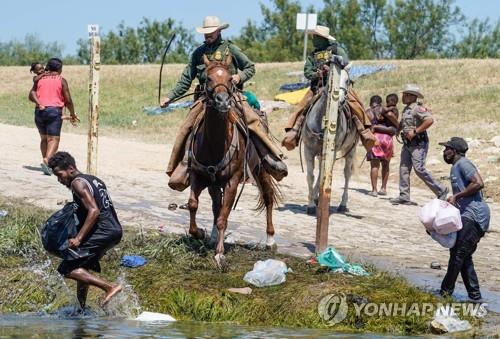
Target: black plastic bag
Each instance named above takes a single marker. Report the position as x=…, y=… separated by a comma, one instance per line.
x=58, y=229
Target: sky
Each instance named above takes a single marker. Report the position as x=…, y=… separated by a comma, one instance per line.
x=65, y=21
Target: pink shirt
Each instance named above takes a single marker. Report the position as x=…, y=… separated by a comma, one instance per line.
x=49, y=91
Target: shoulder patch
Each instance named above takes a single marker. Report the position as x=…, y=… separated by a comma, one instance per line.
x=421, y=108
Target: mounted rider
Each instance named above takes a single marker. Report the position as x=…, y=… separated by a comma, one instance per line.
x=216, y=48
x=316, y=69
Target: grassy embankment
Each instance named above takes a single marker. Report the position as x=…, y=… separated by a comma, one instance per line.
x=463, y=95
x=180, y=279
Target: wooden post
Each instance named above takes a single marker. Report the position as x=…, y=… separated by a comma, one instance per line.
x=327, y=158
x=95, y=66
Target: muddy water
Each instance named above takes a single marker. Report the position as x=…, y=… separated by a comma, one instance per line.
x=26, y=326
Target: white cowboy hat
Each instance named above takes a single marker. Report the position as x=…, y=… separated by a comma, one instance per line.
x=322, y=31
x=413, y=89
x=210, y=25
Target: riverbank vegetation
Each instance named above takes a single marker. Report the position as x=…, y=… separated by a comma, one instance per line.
x=180, y=279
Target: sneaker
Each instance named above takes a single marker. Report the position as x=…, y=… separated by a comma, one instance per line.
x=372, y=194
x=400, y=201
x=45, y=169
x=444, y=195
x=382, y=192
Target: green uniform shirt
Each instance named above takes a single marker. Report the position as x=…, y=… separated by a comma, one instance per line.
x=218, y=51
x=413, y=115
x=319, y=56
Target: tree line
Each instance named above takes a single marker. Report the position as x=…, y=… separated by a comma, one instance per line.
x=367, y=29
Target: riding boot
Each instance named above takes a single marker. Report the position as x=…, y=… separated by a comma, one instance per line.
x=179, y=178
x=368, y=139
x=272, y=164
x=291, y=139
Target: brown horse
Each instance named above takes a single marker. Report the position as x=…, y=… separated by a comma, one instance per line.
x=218, y=154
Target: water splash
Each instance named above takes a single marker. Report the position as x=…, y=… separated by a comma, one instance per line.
x=125, y=304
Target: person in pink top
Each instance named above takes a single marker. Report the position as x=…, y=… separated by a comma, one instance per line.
x=50, y=93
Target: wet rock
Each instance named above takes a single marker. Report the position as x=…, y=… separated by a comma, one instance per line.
x=243, y=290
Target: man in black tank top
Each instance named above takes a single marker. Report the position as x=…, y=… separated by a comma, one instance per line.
x=98, y=227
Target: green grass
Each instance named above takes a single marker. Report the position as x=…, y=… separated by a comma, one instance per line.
x=181, y=279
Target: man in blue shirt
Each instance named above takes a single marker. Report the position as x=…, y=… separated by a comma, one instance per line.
x=466, y=184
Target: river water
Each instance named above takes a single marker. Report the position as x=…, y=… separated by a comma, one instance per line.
x=45, y=326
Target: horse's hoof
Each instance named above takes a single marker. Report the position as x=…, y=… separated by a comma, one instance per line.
x=272, y=248
x=342, y=209
x=311, y=210
x=220, y=261
x=199, y=235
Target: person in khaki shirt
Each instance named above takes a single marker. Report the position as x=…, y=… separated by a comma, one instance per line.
x=415, y=120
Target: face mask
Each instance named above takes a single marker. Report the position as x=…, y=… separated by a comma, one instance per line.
x=319, y=42
x=448, y=160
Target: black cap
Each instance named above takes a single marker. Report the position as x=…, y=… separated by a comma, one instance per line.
x=457, y=143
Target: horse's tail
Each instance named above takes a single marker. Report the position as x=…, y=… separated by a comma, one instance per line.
x=269, y=191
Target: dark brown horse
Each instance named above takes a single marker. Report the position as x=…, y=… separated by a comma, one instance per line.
x=218, y=154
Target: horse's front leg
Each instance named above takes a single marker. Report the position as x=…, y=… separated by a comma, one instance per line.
x=196, y=189
x=309, y=157
x=348, y=167
x=229, y=194
x=216, y=194
x=268, y=198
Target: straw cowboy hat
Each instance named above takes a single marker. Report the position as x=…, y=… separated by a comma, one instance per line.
x=210, y=25
x=413, y=89
x=322, y=31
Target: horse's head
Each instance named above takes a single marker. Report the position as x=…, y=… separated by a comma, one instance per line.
x=219, y=86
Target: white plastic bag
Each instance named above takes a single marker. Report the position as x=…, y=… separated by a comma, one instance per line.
x=267, y=273
x=447, y=240
x=446, y=321
x=447, y=219
x=428, y=213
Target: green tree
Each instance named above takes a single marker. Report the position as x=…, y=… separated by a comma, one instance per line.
x=127, y=45
x=480, y=41
x=420, y=28
x=276, y=39
x=30, y=50
x=372, y=15
x=344, y=18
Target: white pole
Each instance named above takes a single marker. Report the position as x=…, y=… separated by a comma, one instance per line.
x=305, y=38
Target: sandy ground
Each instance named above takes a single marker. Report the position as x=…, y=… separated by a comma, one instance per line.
x=374, y=231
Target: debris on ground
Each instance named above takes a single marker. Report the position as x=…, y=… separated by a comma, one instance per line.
x=133, y=261
x=446, y=321
x=267, y=273
x=242, y=290
x=435, y=265
x=335, y=262
x=172, y=206
x=3, y=213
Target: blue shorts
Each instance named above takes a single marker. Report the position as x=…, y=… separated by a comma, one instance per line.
x=49, y=121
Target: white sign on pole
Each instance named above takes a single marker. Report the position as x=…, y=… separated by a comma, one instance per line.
x=306, y=21
x=93, y=30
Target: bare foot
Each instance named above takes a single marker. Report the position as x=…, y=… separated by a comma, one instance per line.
x=111, y=293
